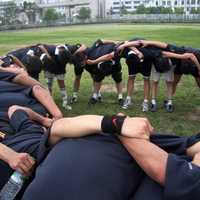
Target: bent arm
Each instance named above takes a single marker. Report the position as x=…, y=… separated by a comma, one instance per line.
x=32, y=115
x=151, y=158
x=44, y=50
x=184, y=56
x=80, y=49
x=104, y=58
x=17, y=61
x=158, y=44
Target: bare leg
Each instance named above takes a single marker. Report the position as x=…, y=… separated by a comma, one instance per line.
x=146, y=88
x=77, y=82
x=119, y=88
x=154, y=89
x=177, y=78
x=130, y=86
x=169, y=85
x=44, y=97
x=197, y=79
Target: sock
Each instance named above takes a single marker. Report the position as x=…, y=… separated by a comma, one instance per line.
x=146, y=100
x=169, y=102
x=75, y=94
x=63, y=93
x=153, y=101
x=99, y=94
x=128, y=97
x=112, y=124
x=120, y=96
x=94, y=95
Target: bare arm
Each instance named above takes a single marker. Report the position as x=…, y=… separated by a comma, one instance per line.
x=158, y=44
x=17, y=61
x=80, y=49
x=32, y=115
x=151, y=158
x=21, y=162
x=185, y=56
x=129, y=44
x=44, y=50
x=82, y=126
x=104, y=58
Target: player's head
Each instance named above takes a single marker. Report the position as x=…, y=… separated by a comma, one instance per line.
x=64, y=56
x=33, y=63
x=79, y=59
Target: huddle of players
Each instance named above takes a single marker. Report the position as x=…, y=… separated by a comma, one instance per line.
x=150, y=58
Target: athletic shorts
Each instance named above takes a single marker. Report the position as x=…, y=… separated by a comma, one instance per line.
x=167, y=76
x=107, y=69
x=29, y=138
x=78, y=70
x=144, y=68
x=49, y=75
x=186, y=67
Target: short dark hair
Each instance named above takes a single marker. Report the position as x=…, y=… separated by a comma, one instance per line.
x=33, y=63
x=78, y=59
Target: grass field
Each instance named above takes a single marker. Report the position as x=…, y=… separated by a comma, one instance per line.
x=186, y=118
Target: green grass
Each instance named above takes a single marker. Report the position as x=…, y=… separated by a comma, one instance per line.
x=184, y=121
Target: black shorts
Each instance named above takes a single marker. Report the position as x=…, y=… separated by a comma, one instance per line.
x=106, y=69
x=144, y=68
x=78, y=70
x=186, y=67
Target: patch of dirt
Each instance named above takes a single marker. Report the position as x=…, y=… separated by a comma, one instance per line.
x=111, y=87
x=194, y=116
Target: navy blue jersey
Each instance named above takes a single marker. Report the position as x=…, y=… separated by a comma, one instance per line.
x=14, y=94
x=182, y=179
x=94, y=167
x=19, y=53
x=7, y=76
x=29, y=138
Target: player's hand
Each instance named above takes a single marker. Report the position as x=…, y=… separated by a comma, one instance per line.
x=136, y=127
x=144, y=43
x=22, y=162
x=47, y=122
x=90, y=62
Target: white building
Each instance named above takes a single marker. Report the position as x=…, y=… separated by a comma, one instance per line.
x=131, y=5
x=70, y=7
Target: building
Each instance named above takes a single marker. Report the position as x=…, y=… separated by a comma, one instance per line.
x=70, y=8
x=131, y=5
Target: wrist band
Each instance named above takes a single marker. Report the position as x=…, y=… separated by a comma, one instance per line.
x=112, y=124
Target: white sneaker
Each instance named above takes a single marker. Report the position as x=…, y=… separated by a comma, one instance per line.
x=66, y=106
x=127, y=104
x=145, y=106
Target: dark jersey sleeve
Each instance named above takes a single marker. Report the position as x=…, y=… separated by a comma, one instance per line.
x=182, y=179
x=175, y=49
x=20, y=120
x=20, y=53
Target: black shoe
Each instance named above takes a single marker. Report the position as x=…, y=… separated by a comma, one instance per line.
x=169, y=108
x=121, y=101
x=100, y=99
x=93, y=100
x=153, y=107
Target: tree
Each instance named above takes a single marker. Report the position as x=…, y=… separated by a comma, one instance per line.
x=179, y=10
x=195, y=11
x=123, y=10
x=50, y=15
x=84, y=13
x=141, y=9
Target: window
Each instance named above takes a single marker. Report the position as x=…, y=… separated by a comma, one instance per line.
x=164, y=3
x=193, y=2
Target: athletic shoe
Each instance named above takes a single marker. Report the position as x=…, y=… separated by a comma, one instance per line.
x=127, y=104
x=66, y=106
x=169, y=108
x=74, y=99
x=99, y=99
x=120, y=101
x=145, y=106
x=93, y=100
x=153, y=107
